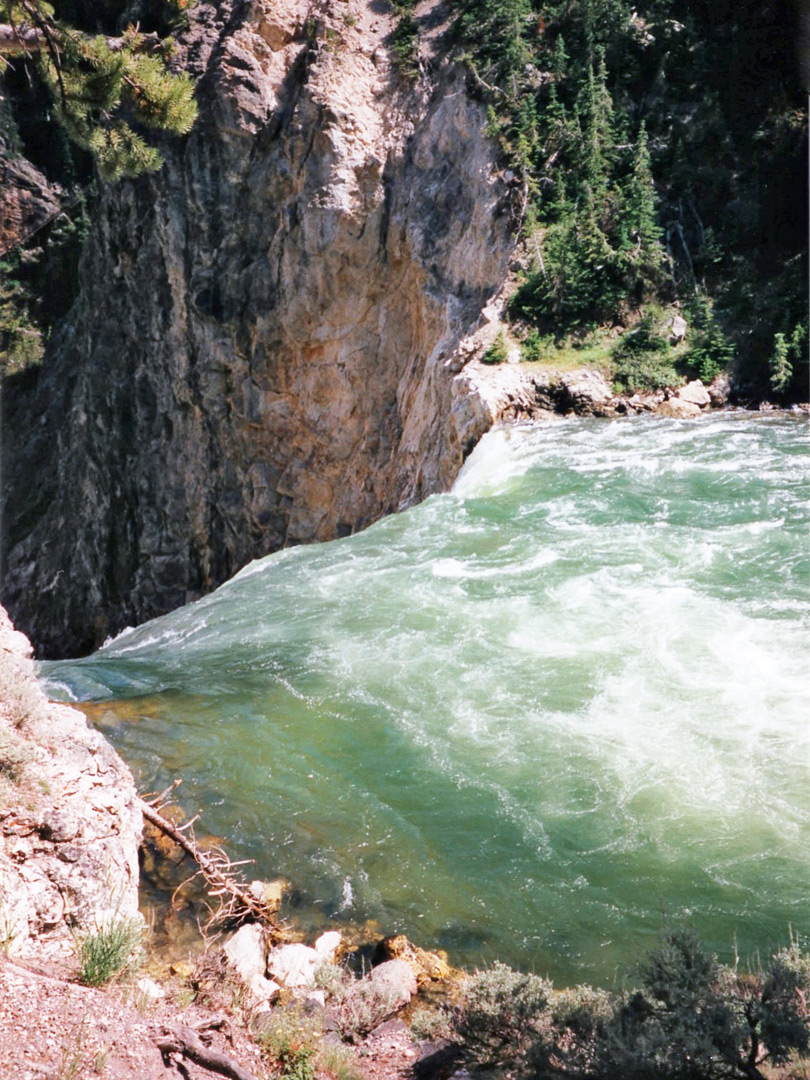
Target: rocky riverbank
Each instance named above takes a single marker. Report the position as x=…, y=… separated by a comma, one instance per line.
x=69, y=819
x=70, y=828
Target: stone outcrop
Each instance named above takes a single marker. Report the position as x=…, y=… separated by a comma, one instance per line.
x=27, y=199
x=265, y=346
x=69, y=818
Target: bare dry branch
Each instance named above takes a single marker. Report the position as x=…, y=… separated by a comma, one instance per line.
x=186, y=1042
x=217, y=870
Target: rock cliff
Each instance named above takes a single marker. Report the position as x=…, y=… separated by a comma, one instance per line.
x=70, y=824
x=265, y=349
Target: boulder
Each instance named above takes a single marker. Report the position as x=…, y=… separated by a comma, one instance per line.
x=245, y=951
x=677, y=329
x=328, y=945
x=396, y=976
x=270, y=893
x=263, y=990
x=294, y=965
x=426, y=966
x=587, y=393
x=719, y=390
x=695, y=393
x=149, y=992
x=678, y=409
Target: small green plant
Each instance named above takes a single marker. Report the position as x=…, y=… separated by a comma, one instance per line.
x=289, y=1042
x=110, y=952
x=15, y=754
x=498, y=352
x=331, y=978
x=338, y=1062
x=536, y=346
x=100, y=1060
x=72, y=1059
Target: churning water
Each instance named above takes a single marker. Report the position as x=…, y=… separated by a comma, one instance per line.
x=521, y=720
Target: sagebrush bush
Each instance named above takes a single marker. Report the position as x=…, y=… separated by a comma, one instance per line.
x=15, y=753
x=500, y=1014
x=361, y=1005
x=691, y=1019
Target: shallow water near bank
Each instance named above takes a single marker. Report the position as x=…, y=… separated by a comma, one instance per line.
x=521, y=720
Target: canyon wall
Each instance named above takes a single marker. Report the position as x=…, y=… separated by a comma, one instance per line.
x=268, y=344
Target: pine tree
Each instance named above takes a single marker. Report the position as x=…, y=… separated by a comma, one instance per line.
x=104, y=90
x=640, y=233
x=597, y=113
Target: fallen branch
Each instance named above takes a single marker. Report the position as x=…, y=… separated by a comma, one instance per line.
x=187, y=1042
x=216, y=868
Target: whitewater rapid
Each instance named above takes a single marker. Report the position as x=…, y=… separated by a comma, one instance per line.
x=528, y=719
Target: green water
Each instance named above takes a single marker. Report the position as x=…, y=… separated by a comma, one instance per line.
x=519, y=720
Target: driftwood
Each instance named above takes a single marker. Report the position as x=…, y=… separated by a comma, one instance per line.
x=186, y=1042
x=235, y=901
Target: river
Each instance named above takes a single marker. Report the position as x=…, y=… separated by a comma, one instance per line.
x=528, y=719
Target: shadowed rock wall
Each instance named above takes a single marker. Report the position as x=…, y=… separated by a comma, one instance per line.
x=264, y=348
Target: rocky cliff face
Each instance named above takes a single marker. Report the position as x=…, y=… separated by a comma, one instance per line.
x=266, y=346
x=70, y=824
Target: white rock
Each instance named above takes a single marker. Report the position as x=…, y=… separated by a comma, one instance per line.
x=150, y=991
x=318, y=997
x=245, y=951
x=263, y=990
x=678, y=408
x=293, y=965
x=327, y=945
x=398, y=976
x=677, y=329
x=695, y=392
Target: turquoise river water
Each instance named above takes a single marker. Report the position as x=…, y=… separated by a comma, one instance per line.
x=528, y=719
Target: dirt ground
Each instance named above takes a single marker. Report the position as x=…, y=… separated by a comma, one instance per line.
x=54, y=1029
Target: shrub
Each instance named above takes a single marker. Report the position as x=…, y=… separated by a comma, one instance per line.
x=110, y=952
x=500, y=1013
x=337, y=1060
x=642, y=360
x=692, y=1019
x=431, y=1024
x=362, y=1004
x=536, y=346
x=498, y=352
x=405, y=45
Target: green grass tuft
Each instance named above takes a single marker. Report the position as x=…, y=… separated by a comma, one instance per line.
x=110, y=952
